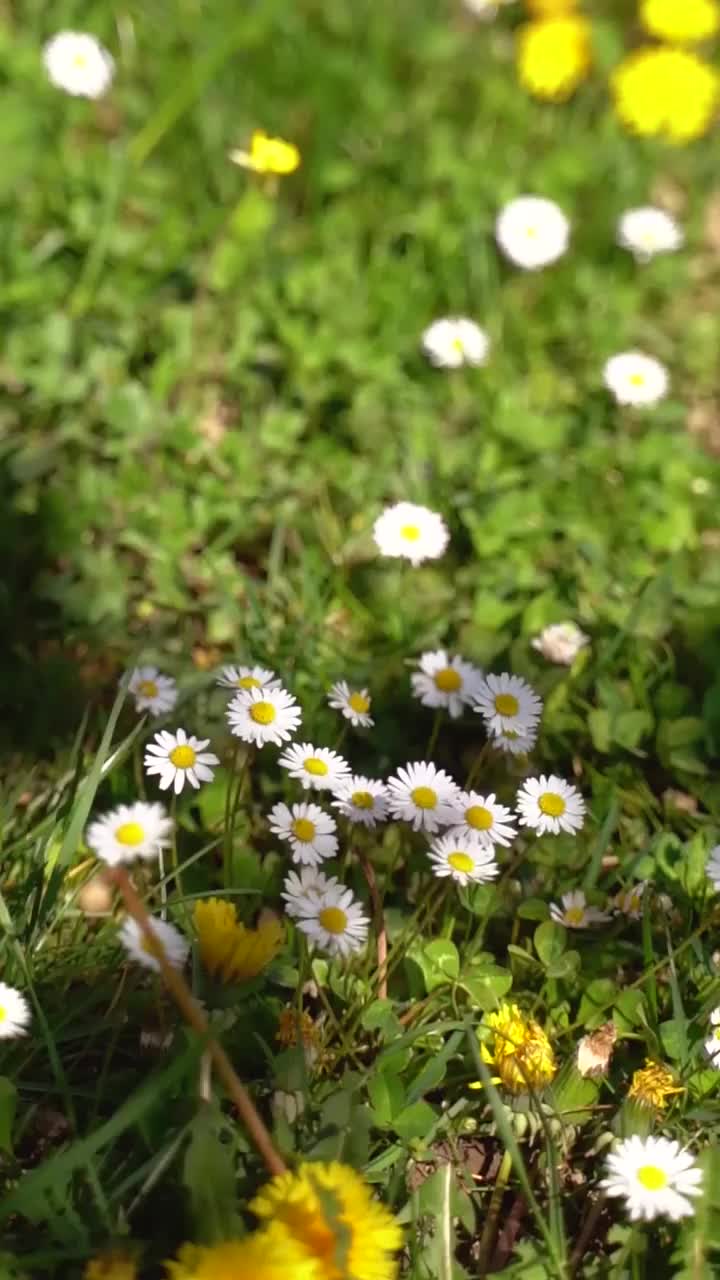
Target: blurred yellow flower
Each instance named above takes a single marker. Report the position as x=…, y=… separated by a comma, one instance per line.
x=653, y=1084
x=520, y=1050
x=680, y=20
x=268, y=155
x=271, y=1254
x=667, y=92
x=553, y=56
x=111, y=1266
x=330, y=1211
x=228, y=949
x=287, y=1029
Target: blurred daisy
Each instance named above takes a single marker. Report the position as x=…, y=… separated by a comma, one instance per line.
x=315, y=767
x=560, y=643
x=447, y=682
x=554, y=56
x=337, y=923
x=177, y=759
x=228, y=949
x=629, y=902
x=666, y=92
x=455, y=341
x=152, y=691
x=712, y=869
x=574, y=911
x=14, y=1013
x=549, y=804
x=302, y=892
x=309, y=831
x=514, y=742
x=248, y=678
x=78, y=63
x=647, y=231
x=362, y=800
x=680, y=21
x=635, y=379
x=422, y=795
x=712, y=1044
x=131, y=831
x=264, y=715
x=412, y=532
x=507, y=702
x=655, y=1176
x=354, y=703
x=467, y=860
x=481, y=817
x=168, y=942
x=486, y=10
x=532, y=232
x=268, y=155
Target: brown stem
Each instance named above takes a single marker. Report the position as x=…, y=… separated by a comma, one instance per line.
x=587, y=1231
x=379, y=921
x=194, y=1015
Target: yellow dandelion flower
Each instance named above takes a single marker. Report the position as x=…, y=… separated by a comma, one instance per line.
x=653, y=1084
x=331, y=1212
x=553, y=56
x=287, y=1029
x=520, y=1051
x=270, y=1254
x=551, y=8
x=668, y=92
x=680, y=20
x=228, y=949
x=268, y=155
x=111, y=1266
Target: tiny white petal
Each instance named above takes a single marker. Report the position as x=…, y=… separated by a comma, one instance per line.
x=79, y=64
x=169, y=939
x=316, y=768
x=549, y=804
x=532, y=232
x=14, y=1013
x=636, y=379
x=445, y=681
x=353, y=703
x=455, y=341
x=647, y=231
x=410, y=532
x=152, y=691
x=422, y=795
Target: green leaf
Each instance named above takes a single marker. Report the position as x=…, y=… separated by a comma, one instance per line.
x=486, y=986
x=387, y=1095
x=673, y=1036
x=415, y=1122
x=550, y=941
x=209, y=1177
x=440, y=963
x=8, y=1105
x=598, y=997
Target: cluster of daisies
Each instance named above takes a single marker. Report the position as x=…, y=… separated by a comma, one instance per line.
x=532, y=233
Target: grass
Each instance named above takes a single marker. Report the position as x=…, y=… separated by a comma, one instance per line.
x=209, y=391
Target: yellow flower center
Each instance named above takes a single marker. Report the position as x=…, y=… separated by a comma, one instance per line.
x=575, y=915
x=317, y=768
x=152, y=947
x=424, y=797
x=183, y=756
x=652, y=1178
x=479, y=818
x=304, y=829
x=148, y=689
x=637, y=379
x=551, y=804
x=506, y=704
x=362, y=799
x=461, y=861
x=359, y=702
x=248, y=682
x=448, y=680
x=263, y=712
x=333, y=919
x=410, y=532
x=130, y=833
x=79, y=61
x=3, y=1013
x=717, y=1033
x=457, y=345
x=531, y=232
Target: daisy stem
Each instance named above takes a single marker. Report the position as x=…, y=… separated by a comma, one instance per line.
x=432, y=741
x=487, y=1239
x=195, y=1016
x=477, y=765
x=378, y=921
x=227, y=831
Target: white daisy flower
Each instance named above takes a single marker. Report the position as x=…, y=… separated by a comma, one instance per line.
x=362, y=800
x=655, y=1175
x=248, y=678
x=647, y=231
x=636, y=379
x=264, y=715
x=309, y=831
x=550, y=804
x=507, y=702
x=337, y=923
x=152, y=691
x=469, y=861
x=712, y=1044
x=629, y=902
x=574, y=912
x=423, y=795
x=315, y=767
x=79, y=64
x=561, y=643
x=455, y=341
x=170, y=942
x=447, y=682
x=177, y=759
x=532, y=232
x=354, y=703
x=301, y=893
x=712, y=869
x=482, y=818
x=14, y=1013
x=514, y=741
x=131, y=831
x=413, y=532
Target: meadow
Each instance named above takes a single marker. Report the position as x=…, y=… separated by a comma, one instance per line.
x=307, y=1014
